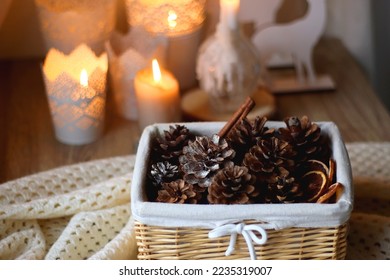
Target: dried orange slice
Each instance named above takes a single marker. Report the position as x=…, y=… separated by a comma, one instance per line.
x=314, y=184
x=332, y=170
x=336, y=188
x=316, y=165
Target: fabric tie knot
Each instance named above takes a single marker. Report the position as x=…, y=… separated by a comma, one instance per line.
x=247, y=231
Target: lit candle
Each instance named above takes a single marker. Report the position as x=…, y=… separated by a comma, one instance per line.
x=228, y=13
x=76, y=95
x=157, y=92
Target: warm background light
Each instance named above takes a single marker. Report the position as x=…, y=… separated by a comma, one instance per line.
x=181, y=21
x=67, y=24
x=172, y=17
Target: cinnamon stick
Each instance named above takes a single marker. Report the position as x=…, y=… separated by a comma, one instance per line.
x=240, y=114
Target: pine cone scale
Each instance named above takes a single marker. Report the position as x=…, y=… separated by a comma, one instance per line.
x=253, y=164
x=203, y=157
x=178, y=192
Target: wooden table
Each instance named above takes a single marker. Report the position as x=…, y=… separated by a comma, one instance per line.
x=28, y=145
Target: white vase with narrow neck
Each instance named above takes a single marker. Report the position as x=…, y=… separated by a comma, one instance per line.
x=228, y=68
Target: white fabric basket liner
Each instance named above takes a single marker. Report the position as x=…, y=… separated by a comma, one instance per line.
x=274, y=216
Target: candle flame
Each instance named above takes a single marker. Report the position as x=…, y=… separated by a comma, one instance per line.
x=156, y=71
x=84, y=78
x=172, y=17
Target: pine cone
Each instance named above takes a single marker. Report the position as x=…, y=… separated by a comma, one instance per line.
x=178, y=192
x=283, y=188
x=268, y=156
x=162, y=172
x=305, y=137
x=203, y=157
x=170, y=146
x=232, y=185
x=245, y=134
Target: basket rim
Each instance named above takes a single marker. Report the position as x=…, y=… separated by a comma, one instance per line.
x=277, y=215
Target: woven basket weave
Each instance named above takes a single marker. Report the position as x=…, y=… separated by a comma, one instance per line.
x=306, y=231
x=162, y=243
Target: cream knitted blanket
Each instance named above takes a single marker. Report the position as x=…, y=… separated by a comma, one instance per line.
x=83, y=211
x=75, y=212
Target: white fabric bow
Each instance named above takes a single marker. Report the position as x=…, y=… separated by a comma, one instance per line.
x=247, y=232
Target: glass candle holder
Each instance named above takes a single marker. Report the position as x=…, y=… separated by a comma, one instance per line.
x=228, y=68
x=179, y=20
x=169, y=17
x=67, y=24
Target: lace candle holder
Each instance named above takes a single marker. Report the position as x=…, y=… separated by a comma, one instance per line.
x=67, y=24
x=129, y=53
x=76, y=91
x=179, y=20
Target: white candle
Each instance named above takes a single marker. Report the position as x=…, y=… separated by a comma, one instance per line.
x=158, y=98
x=228, y=13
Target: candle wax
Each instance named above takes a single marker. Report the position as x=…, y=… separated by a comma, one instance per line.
x=228, y=13
x=158, y=101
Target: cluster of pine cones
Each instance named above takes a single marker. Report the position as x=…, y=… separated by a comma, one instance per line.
x=252, y=164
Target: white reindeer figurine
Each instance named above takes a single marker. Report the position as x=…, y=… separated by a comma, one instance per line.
x=297, y=39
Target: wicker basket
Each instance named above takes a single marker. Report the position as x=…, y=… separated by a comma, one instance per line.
x=166, y=231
